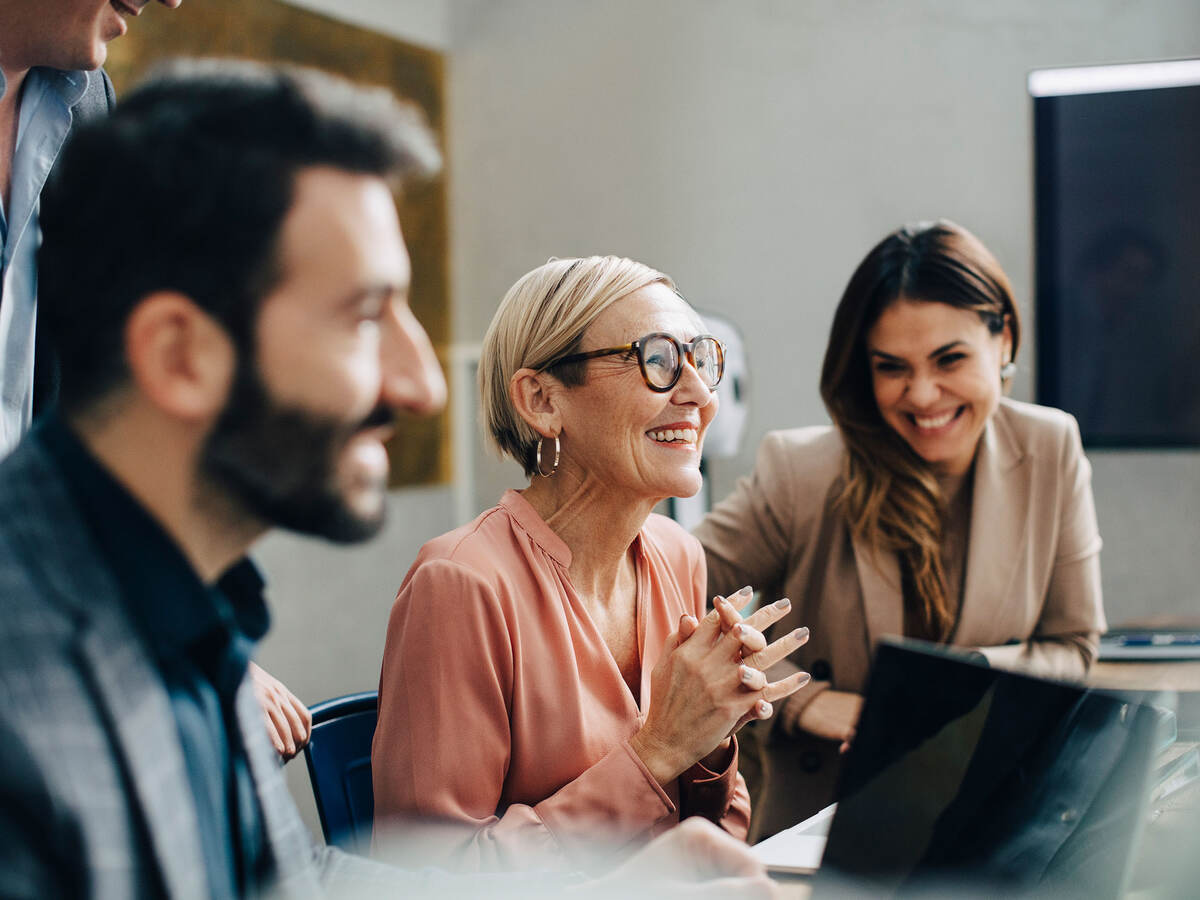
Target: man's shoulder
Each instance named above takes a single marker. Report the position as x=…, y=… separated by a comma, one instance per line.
x=32, y=494
x=98, y=98
x=43, y=546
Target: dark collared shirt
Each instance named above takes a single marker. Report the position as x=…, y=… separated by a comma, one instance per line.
x=201, y=637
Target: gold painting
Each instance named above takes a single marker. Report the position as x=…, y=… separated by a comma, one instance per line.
x=272, y=31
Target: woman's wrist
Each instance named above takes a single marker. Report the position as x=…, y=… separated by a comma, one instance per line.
x=663, y=761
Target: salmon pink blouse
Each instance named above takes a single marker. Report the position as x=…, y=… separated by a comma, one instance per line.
x=501, y=709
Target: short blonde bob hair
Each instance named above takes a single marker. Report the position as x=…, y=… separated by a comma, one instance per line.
x=542, y=318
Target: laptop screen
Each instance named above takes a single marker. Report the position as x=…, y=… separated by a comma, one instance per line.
x=966, y=780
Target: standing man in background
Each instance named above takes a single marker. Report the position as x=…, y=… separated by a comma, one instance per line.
x=50, y=55
x=50, y=79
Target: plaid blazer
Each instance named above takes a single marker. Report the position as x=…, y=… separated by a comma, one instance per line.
x=94, y=796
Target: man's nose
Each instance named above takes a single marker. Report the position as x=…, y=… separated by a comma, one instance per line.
x=412, y=377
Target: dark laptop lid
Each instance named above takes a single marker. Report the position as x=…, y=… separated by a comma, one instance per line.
x=965, y=780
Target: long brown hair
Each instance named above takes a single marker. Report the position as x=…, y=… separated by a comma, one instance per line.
x=889, y=494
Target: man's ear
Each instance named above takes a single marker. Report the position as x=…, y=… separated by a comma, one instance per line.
x=179, y=357
x=534, y=396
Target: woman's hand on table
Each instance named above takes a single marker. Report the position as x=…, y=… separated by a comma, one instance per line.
x=708, y=684
x=832, y=715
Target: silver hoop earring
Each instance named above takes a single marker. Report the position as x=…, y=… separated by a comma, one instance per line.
x=1007, y=371
x=538, y=457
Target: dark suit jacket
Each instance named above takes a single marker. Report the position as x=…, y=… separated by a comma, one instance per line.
x=94, y=795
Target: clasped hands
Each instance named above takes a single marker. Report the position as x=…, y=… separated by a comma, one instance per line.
x=710, y=681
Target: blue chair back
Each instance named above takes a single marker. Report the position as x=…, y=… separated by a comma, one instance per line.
x=339, y=765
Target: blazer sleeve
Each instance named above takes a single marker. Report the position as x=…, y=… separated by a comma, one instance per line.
x=1066, y=638
x=721, y=797
x=747, y=537
x=442, y=745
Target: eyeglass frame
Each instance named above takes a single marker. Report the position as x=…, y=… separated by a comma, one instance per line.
x=684, y=349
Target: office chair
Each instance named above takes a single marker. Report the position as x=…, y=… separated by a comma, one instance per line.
x=339, y=765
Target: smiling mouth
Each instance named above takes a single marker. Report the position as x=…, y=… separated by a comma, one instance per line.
x=125, y=9
x=673, y=436
x=935, y=423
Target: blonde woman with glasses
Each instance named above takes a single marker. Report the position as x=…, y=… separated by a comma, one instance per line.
x=551, y=682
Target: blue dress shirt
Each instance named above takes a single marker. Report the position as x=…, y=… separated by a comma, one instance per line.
x=43, y=122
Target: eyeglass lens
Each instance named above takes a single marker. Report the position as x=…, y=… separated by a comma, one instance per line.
x=661, y=358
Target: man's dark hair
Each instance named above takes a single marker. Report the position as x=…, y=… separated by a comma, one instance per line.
x=185, y=188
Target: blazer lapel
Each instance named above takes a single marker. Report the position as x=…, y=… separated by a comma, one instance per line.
x=1000, y=507
x=879, y=577
x=139, y=711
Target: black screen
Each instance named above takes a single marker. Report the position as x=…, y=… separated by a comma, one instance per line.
x=967, y=781
x=1118, y=263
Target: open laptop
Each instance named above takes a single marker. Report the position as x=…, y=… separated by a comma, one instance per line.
x=970, y=781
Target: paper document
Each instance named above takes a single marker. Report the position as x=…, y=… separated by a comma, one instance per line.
x=797, y=850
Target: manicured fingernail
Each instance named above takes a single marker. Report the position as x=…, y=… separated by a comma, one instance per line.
x=747, y=674
x=739, y=630
x=805, y=680
x=783, y=603
x=800, y=634
x=745, y=592
x=764, y=709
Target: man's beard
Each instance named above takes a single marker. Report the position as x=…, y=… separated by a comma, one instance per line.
x=280, y=463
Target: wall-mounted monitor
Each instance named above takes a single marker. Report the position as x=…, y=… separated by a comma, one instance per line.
x=1117, y=174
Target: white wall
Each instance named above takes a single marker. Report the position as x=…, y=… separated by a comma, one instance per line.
x=756, y=150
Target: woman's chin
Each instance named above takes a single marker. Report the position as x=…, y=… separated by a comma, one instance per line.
x=687, y=485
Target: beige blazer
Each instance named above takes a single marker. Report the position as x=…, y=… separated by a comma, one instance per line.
x=1031, y=595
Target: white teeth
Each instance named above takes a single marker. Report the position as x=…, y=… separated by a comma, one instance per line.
x=686, y=435
x=936, y=422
